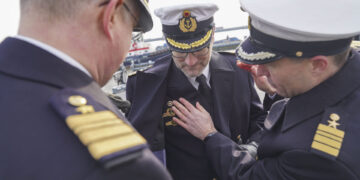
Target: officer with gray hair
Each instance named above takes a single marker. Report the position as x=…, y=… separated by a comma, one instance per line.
x=302, y=47
x=56, y=123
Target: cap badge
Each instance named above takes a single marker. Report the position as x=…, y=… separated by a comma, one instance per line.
x=187, y=23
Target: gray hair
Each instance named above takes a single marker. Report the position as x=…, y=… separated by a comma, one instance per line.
x=52, y=9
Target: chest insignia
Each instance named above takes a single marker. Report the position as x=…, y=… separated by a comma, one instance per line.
x=168, y=114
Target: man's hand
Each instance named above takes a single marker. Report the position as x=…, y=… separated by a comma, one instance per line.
x=262, y=82
x=196, y=120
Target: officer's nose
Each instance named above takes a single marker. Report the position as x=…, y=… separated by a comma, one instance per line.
x=262, y=70
x=190, y=60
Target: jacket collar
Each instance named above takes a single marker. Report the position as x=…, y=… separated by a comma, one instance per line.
x=218, y=64
x=24, y=60
x=328, y=93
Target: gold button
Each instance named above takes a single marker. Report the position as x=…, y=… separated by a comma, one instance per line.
x=299, y=54
x=334, y=117
x=77, y=101
x=238, y=137
x=170, y=103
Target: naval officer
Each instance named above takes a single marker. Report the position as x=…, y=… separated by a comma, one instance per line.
x=303, y=48
x=194, y=71
x=55, y=122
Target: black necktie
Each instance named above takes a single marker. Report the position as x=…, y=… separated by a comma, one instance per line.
x=204, y=93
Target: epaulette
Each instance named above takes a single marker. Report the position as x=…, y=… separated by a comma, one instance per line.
x=141, y=70
x=109, y=139
x=146, y=68
x=329, y=134
x=132, y=74
x=355, y=44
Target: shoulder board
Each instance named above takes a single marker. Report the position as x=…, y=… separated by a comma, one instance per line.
x=146, y=68
x=141, y=70
x=329, y=134
x=355, y=44
x=109, y=139
x=132, y=74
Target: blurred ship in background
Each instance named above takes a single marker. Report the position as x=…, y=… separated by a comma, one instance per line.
x=143, y=55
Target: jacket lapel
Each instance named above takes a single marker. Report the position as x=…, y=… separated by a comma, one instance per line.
x=222, y=84
x=150, y=90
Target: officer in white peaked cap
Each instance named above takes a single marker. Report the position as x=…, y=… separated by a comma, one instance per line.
x=302, y=48
x=196, y=73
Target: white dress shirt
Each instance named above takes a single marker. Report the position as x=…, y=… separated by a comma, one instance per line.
x=206, y=73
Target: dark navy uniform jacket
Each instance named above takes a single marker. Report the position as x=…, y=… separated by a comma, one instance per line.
x=35, y=140
x=314, y=135
x=237, y=108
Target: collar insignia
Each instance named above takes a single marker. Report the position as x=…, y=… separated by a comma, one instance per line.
x=187, y=23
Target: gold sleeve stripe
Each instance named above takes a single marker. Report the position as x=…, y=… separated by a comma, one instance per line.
x=83, y=119
x=97, y=125
x=108, y=146
x=331, y=130
x=98, y=134
x=325, y=148
x=336, y=138
x=327, y=141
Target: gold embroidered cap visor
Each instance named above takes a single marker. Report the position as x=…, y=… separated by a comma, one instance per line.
x=189, y=42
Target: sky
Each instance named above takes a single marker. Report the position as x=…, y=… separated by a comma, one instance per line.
x=229, y=15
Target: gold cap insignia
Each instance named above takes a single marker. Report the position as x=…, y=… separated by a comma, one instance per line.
x=77, y=101
x=195, y=44
x=187, y=23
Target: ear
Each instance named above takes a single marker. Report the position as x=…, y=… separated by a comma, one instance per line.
x=108, y=18
x=319, y=64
